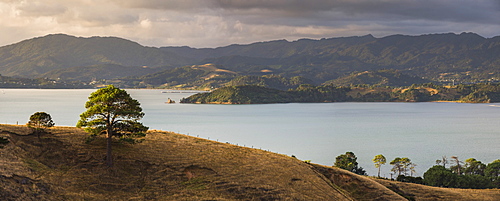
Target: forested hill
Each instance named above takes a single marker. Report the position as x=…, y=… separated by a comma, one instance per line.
x=438, y=57
x=458, y=58
x=252, y=94
x=36, y=56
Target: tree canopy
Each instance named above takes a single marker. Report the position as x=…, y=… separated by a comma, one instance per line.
x=39, y=121
x=473, y=174
x=379, y=160
x=440, y=176
x=348, y=161
x=401, y=166
x=113, y=112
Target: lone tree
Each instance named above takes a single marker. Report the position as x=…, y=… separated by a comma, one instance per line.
x=113, y=112
x=39, y=121
x=348, y=161
x=379, y=160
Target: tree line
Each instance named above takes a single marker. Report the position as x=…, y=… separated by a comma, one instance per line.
x=470, y=173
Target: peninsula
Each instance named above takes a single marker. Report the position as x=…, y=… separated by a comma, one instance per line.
x=252, y=94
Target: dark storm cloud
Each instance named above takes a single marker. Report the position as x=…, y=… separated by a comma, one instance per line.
x=210, y=23
x=325, y=12
x=483, y=11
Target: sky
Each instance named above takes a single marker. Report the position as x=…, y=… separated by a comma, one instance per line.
x=216, y=23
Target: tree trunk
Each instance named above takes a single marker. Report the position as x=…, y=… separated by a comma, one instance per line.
x=378, y=171
x=109, y=156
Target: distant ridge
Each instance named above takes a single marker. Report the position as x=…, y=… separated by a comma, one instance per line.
x=449, y=57
x=30, y=58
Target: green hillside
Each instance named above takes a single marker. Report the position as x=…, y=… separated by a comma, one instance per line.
x=33, y=57
x=205, y=77
x=97, y=72
x=378, y=78
x=252, y=94
x=444, y=58
x=465, y=57
x=245, y=94
x=270, y=81
x=14, y=82
x=208, y=77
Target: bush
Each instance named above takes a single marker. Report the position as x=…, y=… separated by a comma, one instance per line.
x=440, y=176
x=416, y=180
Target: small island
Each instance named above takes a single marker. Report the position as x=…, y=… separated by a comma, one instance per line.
x=169, y=101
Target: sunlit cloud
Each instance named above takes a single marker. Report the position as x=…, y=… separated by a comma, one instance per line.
x=212, y=23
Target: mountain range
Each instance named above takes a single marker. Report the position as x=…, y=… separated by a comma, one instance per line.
x=465, y=57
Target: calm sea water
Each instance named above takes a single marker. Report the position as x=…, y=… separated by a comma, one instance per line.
x=318, y=132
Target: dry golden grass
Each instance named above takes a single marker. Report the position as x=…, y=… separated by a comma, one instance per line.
x=358, y=187
x=356, y=92
x=430, y=90
x=212, y=67
x=428, y=193
x=169, y=166
x=166, y=166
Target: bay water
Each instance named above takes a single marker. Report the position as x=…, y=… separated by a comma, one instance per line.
x=318, y=132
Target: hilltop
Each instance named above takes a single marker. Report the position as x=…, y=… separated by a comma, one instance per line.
x=166, y=166
x=169, y=166
x=34, y=57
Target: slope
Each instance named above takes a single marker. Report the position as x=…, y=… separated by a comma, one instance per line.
x=458, y=58
x=169, y=166
x=421, y=192
x=166, y=166
x=97, y=72
x=380, y=78
x=35, y=56
x=465, y=56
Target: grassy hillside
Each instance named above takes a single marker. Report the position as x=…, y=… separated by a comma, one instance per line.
x=166, y=166
x=421, y=192
x=169, y=166
x=378, y=78
x=204, y=76
x=207, y=77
